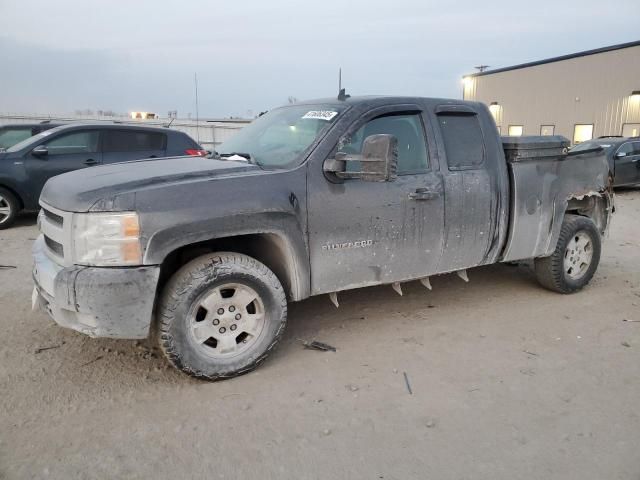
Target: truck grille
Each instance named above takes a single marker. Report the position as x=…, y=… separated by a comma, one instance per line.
x=54, y=218
x=55, y=226
x=54, y=246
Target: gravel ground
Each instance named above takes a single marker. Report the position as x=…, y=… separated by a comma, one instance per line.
x=509, y=381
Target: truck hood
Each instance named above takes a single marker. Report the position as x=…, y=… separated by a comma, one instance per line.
x=79, y=190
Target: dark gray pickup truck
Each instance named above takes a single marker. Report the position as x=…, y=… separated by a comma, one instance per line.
x=312, y=198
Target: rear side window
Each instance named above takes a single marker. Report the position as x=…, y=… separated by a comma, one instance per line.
x=11, y=136
x=132, y=141
x=463, y=140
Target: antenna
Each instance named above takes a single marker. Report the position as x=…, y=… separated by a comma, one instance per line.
x=195, y=79
x=482, y=68
x=342, y=94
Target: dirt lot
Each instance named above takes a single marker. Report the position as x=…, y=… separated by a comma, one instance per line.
x=509, y=381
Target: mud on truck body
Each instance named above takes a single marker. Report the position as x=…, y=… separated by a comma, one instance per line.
x=312, y=198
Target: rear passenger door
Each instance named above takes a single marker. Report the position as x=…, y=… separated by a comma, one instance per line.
x=470, y=202
x=123, y=145
x=627, y=165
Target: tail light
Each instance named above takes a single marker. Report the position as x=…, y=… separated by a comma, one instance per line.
x=195, y=152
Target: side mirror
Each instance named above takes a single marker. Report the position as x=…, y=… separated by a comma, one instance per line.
x=378, y=161
x=621, y=155
x=40, y=151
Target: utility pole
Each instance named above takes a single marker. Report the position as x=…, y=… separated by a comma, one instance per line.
x=195, y=80
x=339, y=79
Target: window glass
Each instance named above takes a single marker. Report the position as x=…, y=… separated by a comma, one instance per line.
x=407, y=128
x=463, y=140
x=630, y=148
x=582, y=133
x=75, y=142
x=10, y=137
x=516, y=130
x=547, y=129
x=626, y=148
x=631, y=130
x=282, y=137
x=132, y=141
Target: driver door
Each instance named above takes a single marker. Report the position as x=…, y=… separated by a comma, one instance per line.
x=366, y=233
x=66, y=152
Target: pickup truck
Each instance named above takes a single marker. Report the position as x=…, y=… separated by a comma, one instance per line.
x=318, y=197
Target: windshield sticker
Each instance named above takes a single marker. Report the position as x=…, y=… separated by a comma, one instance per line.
x=321, y=114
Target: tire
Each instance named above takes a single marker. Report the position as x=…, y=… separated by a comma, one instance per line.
x=9, y=208
x=571, y=266
x=206, y=327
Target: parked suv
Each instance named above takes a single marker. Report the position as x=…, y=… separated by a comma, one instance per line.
x=26, y=166
x=12, y=134
x=623, y=155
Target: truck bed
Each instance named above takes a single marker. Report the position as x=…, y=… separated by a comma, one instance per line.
x=545, y=179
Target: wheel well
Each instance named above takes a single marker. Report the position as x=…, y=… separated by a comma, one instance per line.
x=595, y=207
x=269, y=248
x=15, y=194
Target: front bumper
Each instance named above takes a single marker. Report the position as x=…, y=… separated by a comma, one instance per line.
x=97, y=301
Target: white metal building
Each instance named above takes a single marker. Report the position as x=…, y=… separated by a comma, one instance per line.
x=581, y=96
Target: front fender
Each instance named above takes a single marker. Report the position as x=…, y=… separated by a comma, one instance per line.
x=283, y=225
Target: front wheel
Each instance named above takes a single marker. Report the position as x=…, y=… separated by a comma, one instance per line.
x=9, y=208
x=575, y=259
x=220, y=315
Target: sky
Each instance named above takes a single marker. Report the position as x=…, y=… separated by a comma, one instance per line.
x=252, y=55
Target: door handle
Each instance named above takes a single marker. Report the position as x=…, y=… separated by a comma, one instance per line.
x=423, y=194
x=90, y=161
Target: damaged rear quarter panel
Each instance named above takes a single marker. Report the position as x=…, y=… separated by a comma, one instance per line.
x=541, y=192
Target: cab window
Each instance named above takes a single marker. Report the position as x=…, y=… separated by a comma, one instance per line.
x=463, y=141
x=408, y=130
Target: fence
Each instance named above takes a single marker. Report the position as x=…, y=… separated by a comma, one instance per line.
x=208, y=132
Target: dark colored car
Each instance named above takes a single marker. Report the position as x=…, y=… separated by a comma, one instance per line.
x=12, y=134
x=26, y=166
x=623, y=155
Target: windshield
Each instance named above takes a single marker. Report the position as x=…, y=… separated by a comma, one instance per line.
x=280, y=138
x=36, y=139
x=591, y=145
x=11, y=136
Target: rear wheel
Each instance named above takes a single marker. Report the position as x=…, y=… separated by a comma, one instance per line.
x=575, y=259
x=221, y=315
x=9, y=208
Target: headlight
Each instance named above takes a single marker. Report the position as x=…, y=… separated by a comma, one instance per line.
x=106, y=239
